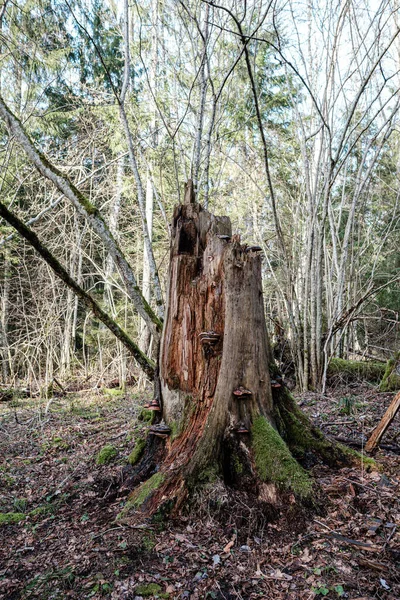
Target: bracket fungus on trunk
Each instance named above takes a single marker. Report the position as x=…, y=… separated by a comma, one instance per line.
x=241, y=393
x=160, y=430
x=253, y=249
x=241, y=428
x=209, y=338
x=155, y=406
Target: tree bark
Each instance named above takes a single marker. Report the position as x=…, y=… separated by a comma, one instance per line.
x=227, y=414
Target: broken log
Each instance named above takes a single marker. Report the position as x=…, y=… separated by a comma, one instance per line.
x=387, y=418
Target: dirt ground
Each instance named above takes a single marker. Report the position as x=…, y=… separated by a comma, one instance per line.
x=67, y=543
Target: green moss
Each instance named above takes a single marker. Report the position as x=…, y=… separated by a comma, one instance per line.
x=175, y=430
x=137, y=452
x=113, y=392
x=148, y=543
x=10, y=518
x=55, y=442
x=303, y=438
x=148, y=589
x=369, y=463
x=140, y=495
x=238, y=465
x=106, y=455
x=274, y=461
x=208, y=475
x=146, y=415
x=391, y=379
x=353, y=370
x=146, y=488
x=40, y=510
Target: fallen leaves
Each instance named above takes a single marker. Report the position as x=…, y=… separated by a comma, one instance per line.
x=77, y=550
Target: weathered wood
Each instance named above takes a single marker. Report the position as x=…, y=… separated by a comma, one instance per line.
x=227, y=424
x=387, y=418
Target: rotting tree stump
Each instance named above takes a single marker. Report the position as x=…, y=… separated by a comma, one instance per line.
x=225, y=421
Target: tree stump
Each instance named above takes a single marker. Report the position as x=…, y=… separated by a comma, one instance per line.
x=229, y=415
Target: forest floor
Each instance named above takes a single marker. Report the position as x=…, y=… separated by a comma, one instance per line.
x=67, y=544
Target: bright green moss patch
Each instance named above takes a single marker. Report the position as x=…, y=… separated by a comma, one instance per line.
x=106, y=455
x=391, y=378
x=149, y=589
x=113, y=392
x=144, y=490
x=354, y=370
x=140, y=495
x=274, y=461
x=10, y=518
x=146, y=415
x=137, y=452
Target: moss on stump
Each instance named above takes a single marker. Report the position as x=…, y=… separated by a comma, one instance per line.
x=274, y=462
x=106, y=455
x=391, y=378
x=137, y=452
x=142, y=493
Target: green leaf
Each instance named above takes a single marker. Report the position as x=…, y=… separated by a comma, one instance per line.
x=339, y=590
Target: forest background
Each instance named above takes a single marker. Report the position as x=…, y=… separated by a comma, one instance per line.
x=284, y=115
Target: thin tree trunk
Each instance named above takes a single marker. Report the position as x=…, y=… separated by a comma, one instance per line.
x=203, y=95
x=146, y=280
x=136, y=173
x=146, y=364
x=85, y=208
x=113, y=224
x=5, y=299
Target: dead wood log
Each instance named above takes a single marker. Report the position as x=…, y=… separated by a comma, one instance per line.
x=388, y=417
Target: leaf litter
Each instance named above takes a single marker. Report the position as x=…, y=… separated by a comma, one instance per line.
x=68, y=545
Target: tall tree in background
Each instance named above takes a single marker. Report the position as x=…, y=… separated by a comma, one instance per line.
x=291, y=149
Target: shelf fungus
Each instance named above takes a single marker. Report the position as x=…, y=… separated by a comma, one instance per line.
x=209, y=338
x=154, y=405
x=226, y=238
x=161, y=430
x=241, y=393
x=241, y=428
x=276, y=383
x=254, y=249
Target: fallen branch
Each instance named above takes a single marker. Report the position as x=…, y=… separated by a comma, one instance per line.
x=360, y=444
x=387, y=418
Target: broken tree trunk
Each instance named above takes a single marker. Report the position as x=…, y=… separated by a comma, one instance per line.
x=387, y=418
x=227, y=415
